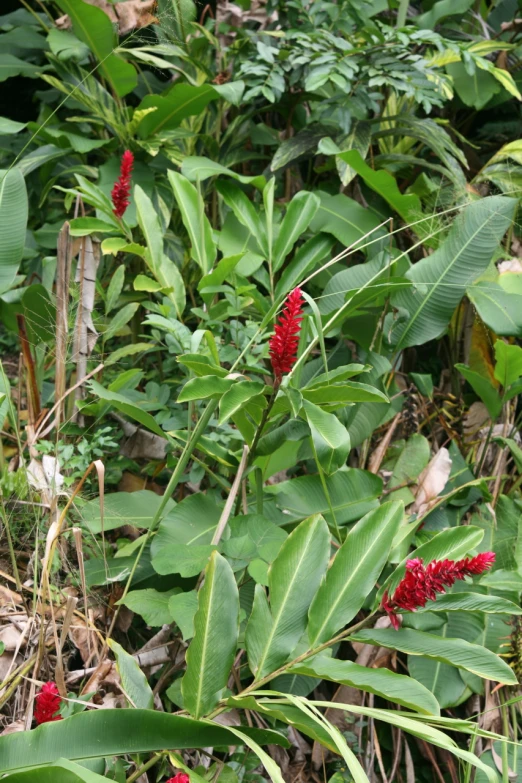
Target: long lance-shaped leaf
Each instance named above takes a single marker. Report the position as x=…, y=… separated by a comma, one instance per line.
x=192, y=210
x=211, y=652
x=13, y=222
x=300, y=212
x=96, y=733
x=461, y=259
x=456, y=652
x=354, y=572
x=62, y=771
x=294, y=577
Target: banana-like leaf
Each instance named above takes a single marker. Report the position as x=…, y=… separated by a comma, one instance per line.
x=272, y=633
x=442, y=278
x=216, y=627
x=192, y=210
x=472, y=602
x=354, y=571
x=62, y=771
x=330, y=439
x=96, y=733
x=133, y=681
x=298, y=215
x=13, y=222
x=456, y=652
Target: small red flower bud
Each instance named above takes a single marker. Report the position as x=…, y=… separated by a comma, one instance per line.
x=47, y=704
x=181, y=777
x=421, y=583
x=121, y=191
x=284, y=341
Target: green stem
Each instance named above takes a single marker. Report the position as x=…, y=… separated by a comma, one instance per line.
x=259, y=490
x=12, y=555
x=171, y=486
x=150, y=763
x=505, y=758
x=402, y=13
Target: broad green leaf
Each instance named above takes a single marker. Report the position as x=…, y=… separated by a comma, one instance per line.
x=508, y=367
x=192, y=208
x=144, y=283
x=149, y=223
x=40, y=314
x=456, y=652
x=121, y=319
x=299, y=213
x=294, y=578
x=353, y=573
x=461, y=259
x=352, y=493
x=245, y=212
x=211, y=652
x=331, y=442
x=267, y=761
x=396, y=688
x=94, y=28
x=205, y=387
x=440, y=10
x=115, y=288
x=10, y=127
x=13, y=223
x=133, y=681
x=444, y=681
x=182, y=100
x=152, y=605
x=483, y=387
x=408, y=206
x=82, y=227
x=182, y=609
x=95, y=733
x=305, y=260
x=199, y=168
x=347, y=220
x=471, y=602
x=122, y=508
x=14, y=66
x=500, y=310
x=201, y=365
x=124, y=405
x=239, y=395
x=62, y=771
x=345, y=392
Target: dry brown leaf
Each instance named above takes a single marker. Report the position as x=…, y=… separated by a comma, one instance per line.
x=10, y=637
x=8, y=597
x=130, y=15
x=432, y=481
x=12, y=728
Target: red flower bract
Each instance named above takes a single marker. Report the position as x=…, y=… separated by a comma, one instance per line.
x=284, y=341
x=421, y=583
x=121, y=191
x=181, y=777
x=47, y=703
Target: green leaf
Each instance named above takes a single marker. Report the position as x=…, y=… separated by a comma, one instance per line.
x=483, y=387
x=345, y=392
x=294, y=578
x=396, y=688
x=407, y=206
x=95, y=733
x=150, y=604
x=237, y=397
x=201, y=365
x=13, y=223
x=500, y=310
x=245, y=212
x=40, y=314
x=330, y=438
x=440, y=10
x=471, y=602
x=192, y=208
x=211, y=652
x=82, y=227
x=127, y=350
x=122, y=508
x=121, y=319
x=144, y=283
x=306, y=259
x=124, y=405
x=10, y=127
x=182, y=608
x=266, y=760
x=353, y=573
x=94, y=28
x=347, y=220
x=62, y=771
x=199, y=168
x=13, y=66
x=299, y=213
x=508, y=366
x=133, y=681
x=115, y=288
x=352, y=493
x=205, y=387
x=456, y=652
x=461, y=259
x=182, y=100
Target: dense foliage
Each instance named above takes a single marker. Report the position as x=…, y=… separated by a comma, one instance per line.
x=260, y=468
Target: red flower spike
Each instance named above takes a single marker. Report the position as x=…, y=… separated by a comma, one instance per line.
x=121, y=191
x=421, y=583
x=284, y=341
x=181, y=777
x=47, y=704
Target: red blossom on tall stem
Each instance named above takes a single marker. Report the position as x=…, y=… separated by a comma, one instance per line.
x=121, y=191
x=284, y=341
x=47, y=704
x=181, y=777
x=422, y=583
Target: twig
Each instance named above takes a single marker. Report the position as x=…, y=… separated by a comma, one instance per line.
x=225, y=514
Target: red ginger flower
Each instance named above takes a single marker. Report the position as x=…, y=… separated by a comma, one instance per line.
x=121, y=191
x=181, y=777
x=284, y=341
x=422, y=583
x=47, y=704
